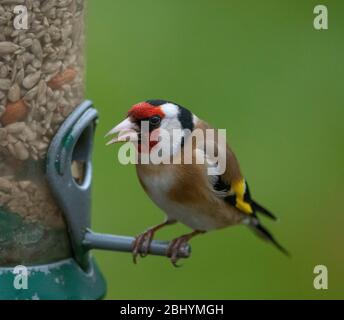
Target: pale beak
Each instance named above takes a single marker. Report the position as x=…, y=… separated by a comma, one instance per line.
x=126, y=132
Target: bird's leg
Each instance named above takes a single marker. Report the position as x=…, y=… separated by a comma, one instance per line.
x=177, y=244
x=143, y=241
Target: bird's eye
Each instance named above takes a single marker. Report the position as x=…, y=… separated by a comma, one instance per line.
x=155, y=120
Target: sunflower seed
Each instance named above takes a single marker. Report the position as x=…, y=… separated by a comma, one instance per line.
x=16, y=127
x=37, y=49
x=31, y=80
x=20, y=151
x=31, y=94
x=8, y=47
x=5, y=84
x=14, y=93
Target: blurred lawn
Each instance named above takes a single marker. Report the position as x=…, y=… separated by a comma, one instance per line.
x=259, y=69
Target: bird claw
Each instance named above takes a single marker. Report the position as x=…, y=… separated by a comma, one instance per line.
x=176, y=246
x=142, y=244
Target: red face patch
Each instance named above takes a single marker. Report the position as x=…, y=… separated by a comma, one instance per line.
x=144, y=110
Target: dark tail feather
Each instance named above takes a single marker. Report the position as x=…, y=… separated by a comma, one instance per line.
x=257, y=207
x=266, y=235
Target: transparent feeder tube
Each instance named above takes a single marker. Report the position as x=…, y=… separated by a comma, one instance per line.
x=41, y=83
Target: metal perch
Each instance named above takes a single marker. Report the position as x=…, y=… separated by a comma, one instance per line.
x=122, y=243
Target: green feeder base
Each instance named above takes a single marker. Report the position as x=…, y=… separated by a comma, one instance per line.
x=63, y=280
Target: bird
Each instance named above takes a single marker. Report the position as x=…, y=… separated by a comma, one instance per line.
x=185, y=192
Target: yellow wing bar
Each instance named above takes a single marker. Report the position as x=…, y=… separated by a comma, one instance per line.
x=238, y=188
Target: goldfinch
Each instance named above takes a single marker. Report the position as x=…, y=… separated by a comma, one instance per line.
x=185, y=191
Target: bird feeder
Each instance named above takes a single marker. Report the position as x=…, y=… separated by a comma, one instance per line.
x=46, y=137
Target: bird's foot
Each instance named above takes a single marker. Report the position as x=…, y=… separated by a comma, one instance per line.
x=178, y=245
x=143, y=241
x=142, y=244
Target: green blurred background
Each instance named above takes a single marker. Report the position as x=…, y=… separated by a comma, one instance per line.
x=260, y=70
